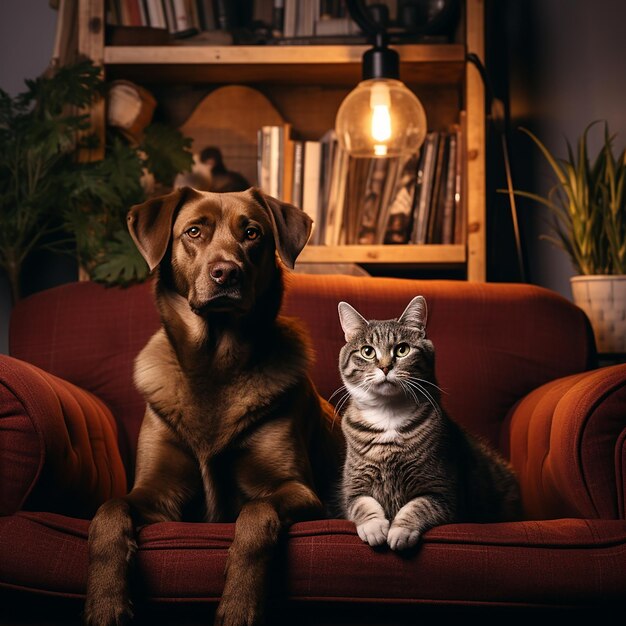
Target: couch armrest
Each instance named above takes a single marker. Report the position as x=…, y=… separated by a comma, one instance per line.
x=568, y=446
x=58, y=447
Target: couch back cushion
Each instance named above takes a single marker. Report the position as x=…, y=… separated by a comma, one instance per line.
x=494, y=342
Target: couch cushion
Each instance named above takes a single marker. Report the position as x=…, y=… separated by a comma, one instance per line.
x=566, y=562
x=58, y=449
x=566, y=445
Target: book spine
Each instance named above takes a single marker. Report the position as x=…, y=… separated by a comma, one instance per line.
x=132, y=12
x=143, y=13
x=181, y=16
x=447, y=229
x=206, y=16
x=298, y=162
x=311, y=186
x=288, y=164
x=434, y=218
x=398, y=226
x=221, y=15
x=425, y=177
x=170, y=15
x=265, y=149
x=278, y=18
x=156, y=13
x=460, y=191
x=275, y=161
x=291, y=11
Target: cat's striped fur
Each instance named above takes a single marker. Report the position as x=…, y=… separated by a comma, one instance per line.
x=408, y=466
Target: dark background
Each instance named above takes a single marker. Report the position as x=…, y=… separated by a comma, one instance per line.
x=558, y=64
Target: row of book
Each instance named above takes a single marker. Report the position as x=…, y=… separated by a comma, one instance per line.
x=316, y=18
x=285, y=18
x=416, y=200
x=181, y=18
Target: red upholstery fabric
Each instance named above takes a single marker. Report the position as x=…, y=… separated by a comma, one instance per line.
x=566, y=445
x=476, y=563
x=58, y=449
x=90, y=335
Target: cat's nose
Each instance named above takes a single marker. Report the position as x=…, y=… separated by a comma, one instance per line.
x=385, y=369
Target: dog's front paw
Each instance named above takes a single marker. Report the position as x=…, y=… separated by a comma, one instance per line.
x=401, y=537
x=105, y=612
x=374, y=531
x=239, y=610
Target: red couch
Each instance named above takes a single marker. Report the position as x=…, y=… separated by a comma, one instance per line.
x=514, y=361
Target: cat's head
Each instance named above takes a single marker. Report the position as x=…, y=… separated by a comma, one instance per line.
x=385, y=358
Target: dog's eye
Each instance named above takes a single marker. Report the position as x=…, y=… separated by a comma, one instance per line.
x=252, y=233
x=368, y=352
x=402, y=349
x=193, y=232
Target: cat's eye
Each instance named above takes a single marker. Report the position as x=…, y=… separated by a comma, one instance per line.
x=193, y=232
x=402, y=349
x=367, y=352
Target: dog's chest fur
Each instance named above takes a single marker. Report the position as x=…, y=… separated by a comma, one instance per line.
x=215, y=404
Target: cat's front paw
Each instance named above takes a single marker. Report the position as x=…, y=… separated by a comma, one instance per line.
x=374, y=531
x=401, y=537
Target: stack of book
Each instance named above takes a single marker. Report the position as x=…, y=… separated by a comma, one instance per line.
x=416, y=200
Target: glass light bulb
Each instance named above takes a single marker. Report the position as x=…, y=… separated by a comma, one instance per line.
x=380, y=118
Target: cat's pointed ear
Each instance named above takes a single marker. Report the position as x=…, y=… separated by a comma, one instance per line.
x=351, y=320
x=415, y=314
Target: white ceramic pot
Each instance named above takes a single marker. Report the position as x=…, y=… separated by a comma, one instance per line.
x=603, y=299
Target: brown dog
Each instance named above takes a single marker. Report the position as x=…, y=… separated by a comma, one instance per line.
x=231, y=413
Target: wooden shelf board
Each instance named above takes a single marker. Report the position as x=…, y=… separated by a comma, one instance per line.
x=263, y=55
x=437, y=64
x=429, y=254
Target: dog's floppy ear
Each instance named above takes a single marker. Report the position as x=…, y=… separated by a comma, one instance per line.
x=150, y=224
x=292, y=226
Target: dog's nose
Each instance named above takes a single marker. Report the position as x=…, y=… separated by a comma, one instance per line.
x=224, y=273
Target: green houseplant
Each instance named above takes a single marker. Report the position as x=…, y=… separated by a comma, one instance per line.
x=587, y=203
x=48, y=199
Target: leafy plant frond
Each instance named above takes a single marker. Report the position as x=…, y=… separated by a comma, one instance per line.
x=48, y=198
x=587, y=203
x=121, y=262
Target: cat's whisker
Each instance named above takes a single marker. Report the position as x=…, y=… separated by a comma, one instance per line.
x=421, y=380
x=409, y=392
x=338, y=390
x=341, y=403
x=421, y=389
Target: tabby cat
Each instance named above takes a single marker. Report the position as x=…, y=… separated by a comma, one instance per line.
x=408, y=466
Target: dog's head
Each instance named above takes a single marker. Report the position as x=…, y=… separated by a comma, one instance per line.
x=217, y=250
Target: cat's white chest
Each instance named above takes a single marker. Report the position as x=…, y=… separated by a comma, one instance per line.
x=387, y=420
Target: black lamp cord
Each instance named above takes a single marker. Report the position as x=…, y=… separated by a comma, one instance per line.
x=499, y=117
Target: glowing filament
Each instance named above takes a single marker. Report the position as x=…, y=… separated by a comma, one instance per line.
x=380, y=102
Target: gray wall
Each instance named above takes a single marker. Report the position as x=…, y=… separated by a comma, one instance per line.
x=26, y=40
x=568, y=70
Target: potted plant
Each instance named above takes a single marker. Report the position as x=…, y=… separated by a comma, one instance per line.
x=588, y=207
x=48, y=199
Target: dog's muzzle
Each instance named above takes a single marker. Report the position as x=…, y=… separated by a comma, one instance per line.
x=225, y=273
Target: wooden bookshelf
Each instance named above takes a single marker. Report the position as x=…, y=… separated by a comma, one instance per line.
x=307, y=84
